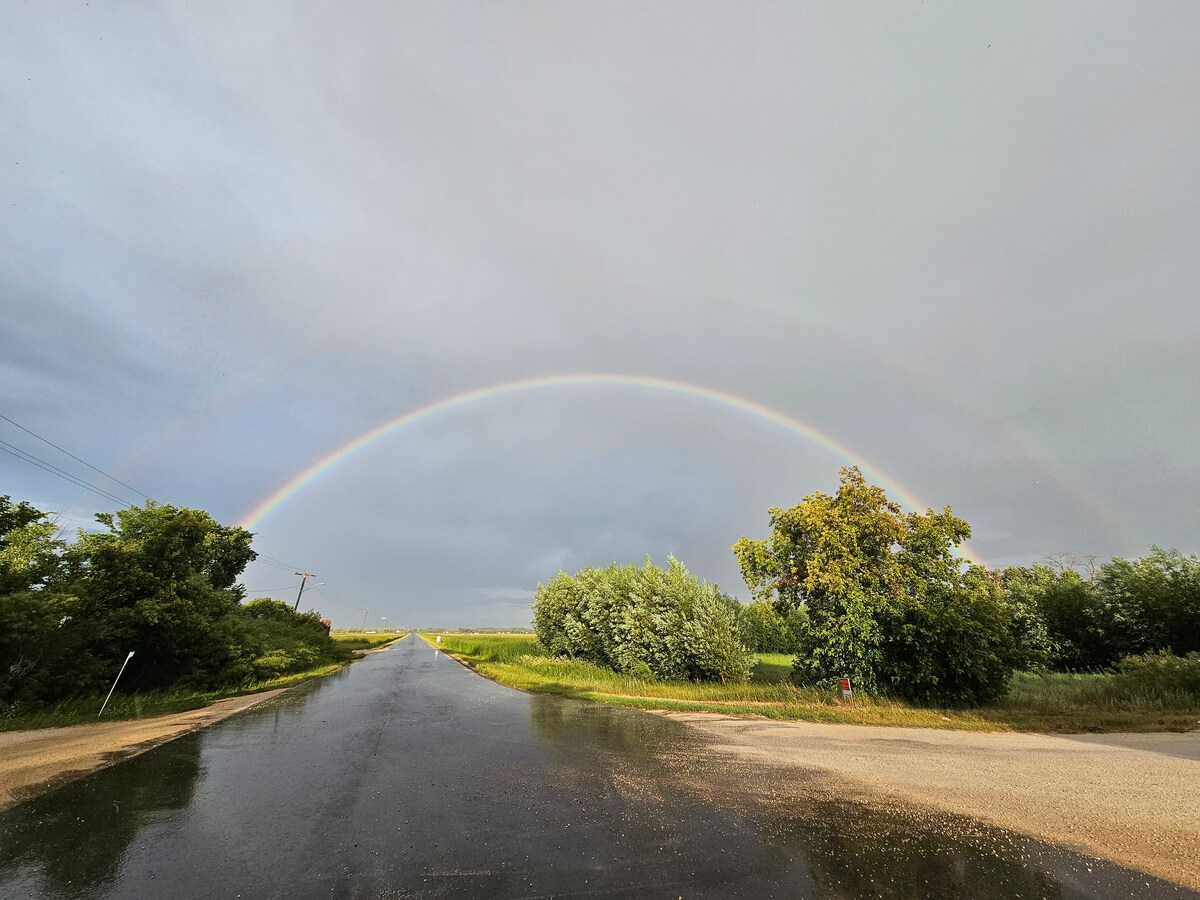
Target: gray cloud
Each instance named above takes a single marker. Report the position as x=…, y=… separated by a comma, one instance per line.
x=959, y=241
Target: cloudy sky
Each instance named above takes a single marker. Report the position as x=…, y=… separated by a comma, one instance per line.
x=958, y=243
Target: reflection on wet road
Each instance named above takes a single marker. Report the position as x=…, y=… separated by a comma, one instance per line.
x=408, y=776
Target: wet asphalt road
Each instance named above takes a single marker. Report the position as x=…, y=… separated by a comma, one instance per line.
x=408, y=776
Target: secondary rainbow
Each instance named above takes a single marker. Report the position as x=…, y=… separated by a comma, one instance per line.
x=305, y=477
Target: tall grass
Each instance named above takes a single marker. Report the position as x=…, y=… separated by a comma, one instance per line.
x=1054, y=703
x=84, y=710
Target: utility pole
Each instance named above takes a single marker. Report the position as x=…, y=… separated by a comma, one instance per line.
x=364, y=624
x=306, y=575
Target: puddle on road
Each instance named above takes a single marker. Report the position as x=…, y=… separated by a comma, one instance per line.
x=852, y=847
x=560, y=791
x=71, y=842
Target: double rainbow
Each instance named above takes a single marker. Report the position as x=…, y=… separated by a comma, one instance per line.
x=307, y=476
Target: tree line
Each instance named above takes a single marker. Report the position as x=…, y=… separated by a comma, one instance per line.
x=159, y=580
x=855, y=587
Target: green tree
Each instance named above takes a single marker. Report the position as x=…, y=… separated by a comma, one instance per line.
x=43, y=648
x=1067, y=620
x=1154, y=601
x=160, y=578
x=885, y=596
x=29, y=548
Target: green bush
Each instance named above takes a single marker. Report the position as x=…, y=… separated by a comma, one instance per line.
x=954, y=648
x=664, y=623
x=265, y=639
x=1062, y=621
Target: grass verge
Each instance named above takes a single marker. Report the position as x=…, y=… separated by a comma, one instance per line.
x=1046, y=703
x=152, y=703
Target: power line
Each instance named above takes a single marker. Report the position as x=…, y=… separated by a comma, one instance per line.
x=272, y=561
x=60, y=473
x=275, y=565
x=74, y=457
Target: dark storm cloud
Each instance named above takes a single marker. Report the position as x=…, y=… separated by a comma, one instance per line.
x=959, y=241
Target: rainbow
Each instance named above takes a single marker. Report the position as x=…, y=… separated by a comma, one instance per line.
x=307, y=476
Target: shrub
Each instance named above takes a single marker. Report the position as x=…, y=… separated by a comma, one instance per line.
x=953, y=649
x=265, y=639
x=1061, y=618
x=643, y=621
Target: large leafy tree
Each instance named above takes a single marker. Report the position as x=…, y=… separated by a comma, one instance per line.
x=33, y=639
x=160, y=577
x=889, y=603
x=28, y=546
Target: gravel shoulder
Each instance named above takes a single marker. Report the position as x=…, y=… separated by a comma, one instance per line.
x=32, y=762
x=1128, y=798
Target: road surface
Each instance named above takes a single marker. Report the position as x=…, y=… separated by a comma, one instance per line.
x=408, y=776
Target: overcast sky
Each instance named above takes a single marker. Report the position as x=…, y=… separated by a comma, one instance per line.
x=959, y=240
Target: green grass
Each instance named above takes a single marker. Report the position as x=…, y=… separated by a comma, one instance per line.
x=84, y=710
x=772, y=667
x=1050, y=703
x=360, y=640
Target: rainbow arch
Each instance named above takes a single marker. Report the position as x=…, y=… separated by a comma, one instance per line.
x=298, y=482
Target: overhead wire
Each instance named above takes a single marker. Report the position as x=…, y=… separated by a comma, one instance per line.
x=267, y=562
x=73, y=456
x=58, y=472
x=270, y=560
x=40, y=463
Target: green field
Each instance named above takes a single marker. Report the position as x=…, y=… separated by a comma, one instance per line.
x=1049, y=703
x=772, y=668
x=363, y=640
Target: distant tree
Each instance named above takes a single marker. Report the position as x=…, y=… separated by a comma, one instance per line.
x=888, y=603
x=765, y=630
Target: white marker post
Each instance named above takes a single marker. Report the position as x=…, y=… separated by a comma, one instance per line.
x=846, y=692
x=115, y=680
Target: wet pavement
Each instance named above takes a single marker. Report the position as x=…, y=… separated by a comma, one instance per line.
x=406, y=775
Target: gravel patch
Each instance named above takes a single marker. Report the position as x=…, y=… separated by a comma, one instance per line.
x=1133, y=799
